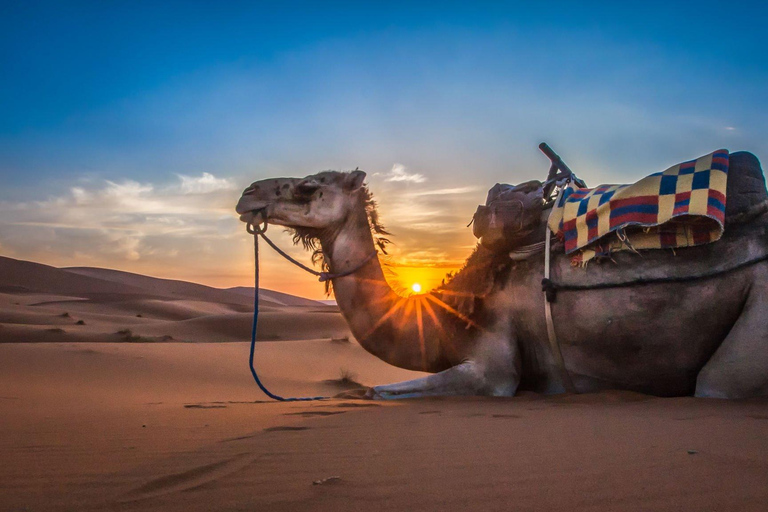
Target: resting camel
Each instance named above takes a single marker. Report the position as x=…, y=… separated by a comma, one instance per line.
x=484, y=332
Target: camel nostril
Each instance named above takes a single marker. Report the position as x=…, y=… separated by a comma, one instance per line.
x=250, y=190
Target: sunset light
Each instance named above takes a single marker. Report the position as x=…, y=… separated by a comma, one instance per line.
x=265, y=255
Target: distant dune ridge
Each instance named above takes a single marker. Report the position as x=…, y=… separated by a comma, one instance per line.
x=40, y=303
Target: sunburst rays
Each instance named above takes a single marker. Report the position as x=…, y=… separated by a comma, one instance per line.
x=416, y=316
x=422, y=342
x=464, y=318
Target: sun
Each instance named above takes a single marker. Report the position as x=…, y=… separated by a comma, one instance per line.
x=416, y=287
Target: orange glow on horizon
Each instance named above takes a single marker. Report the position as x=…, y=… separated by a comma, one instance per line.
x=414, y=280
x=283, y=277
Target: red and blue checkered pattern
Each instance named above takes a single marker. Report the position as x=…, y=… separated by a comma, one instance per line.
x=680, y=207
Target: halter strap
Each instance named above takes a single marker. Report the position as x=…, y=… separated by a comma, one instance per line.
x=257, y=231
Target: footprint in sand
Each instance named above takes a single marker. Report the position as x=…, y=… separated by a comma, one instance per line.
x=281, y=428
x=240, y=438
x=284, y=429
x=189, y=479
x=309, y=414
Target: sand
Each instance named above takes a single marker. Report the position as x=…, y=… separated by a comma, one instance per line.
x=182, y=427
x=93, y=420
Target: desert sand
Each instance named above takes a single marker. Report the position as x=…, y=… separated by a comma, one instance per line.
x=149, y=405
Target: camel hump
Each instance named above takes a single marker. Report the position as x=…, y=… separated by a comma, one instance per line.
x=746, y=193
x=510, y=214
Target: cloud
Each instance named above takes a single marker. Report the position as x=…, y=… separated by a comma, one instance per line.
x=204, y=184
x=123, y=221
x=400, y=174
x=80, y=195
x=127, y=188
x=429, y=224
x=445, y=191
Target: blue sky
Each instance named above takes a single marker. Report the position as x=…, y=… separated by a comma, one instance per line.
x=99, y=99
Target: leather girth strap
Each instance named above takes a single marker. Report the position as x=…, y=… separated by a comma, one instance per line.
x=553, y=343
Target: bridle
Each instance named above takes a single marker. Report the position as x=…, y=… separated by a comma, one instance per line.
x=258, y=229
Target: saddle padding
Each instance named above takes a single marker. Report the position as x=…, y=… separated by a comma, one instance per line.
x=745, y=191
x=510, y=214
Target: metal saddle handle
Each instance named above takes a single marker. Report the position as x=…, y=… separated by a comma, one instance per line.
x=558, y=171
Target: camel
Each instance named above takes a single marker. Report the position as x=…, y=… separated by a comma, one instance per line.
x=484, y=332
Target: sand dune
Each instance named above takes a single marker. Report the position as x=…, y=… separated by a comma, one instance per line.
x=171, y=288
x=18, y=276
x=150, y=308
x=273, y=325
x=23, y=277
x=82, y=304
x=279, y=298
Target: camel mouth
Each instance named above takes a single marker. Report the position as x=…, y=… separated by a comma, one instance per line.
x=255, y=216
x=248, y=206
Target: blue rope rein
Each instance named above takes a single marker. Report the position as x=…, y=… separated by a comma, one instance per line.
x=256, y=231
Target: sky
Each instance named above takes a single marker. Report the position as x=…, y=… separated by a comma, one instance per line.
x=128, y=130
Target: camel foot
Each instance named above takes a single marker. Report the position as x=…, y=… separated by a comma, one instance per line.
x=381, y=393
x=467, y=378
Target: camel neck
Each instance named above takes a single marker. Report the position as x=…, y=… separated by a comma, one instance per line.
x=383, y=322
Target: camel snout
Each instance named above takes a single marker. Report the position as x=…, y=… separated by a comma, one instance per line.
x=249, y=204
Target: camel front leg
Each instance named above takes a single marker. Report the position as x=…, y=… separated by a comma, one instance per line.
x=493, y=371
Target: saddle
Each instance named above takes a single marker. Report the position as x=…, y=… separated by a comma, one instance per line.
x=510, y=214
x=513, y=212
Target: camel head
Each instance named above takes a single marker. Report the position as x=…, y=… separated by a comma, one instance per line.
x=318, y=202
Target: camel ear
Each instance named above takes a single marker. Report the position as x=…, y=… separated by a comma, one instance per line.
x=354, y=180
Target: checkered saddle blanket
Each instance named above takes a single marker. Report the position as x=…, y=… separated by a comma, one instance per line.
x=680, y=207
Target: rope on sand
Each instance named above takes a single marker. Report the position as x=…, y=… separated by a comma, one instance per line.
x=256, y=231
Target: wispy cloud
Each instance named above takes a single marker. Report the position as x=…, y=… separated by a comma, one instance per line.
x=399, y=173
x=204, y=184
x=125, y=220
x=428, y=224
x=444, y=191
